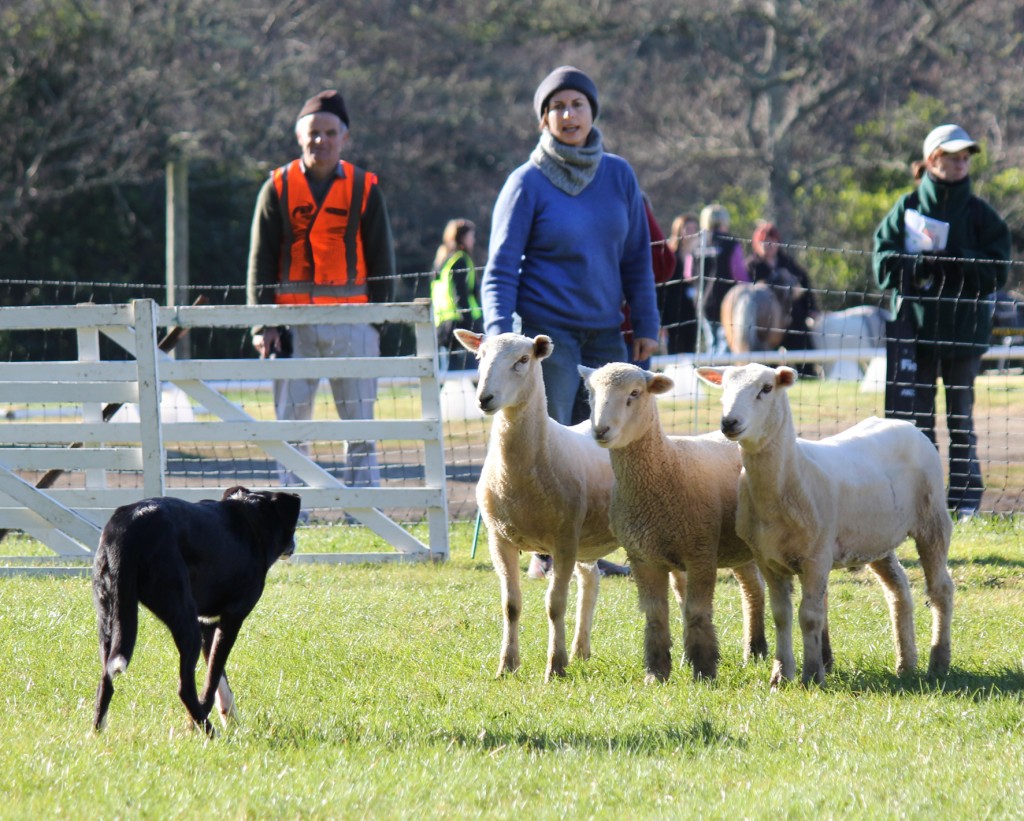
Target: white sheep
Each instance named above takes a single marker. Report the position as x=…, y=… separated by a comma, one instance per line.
x=673, y=508
x=847, y=500
x=544, y=487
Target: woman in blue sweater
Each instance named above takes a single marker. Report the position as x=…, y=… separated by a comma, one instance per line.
x=569, y=242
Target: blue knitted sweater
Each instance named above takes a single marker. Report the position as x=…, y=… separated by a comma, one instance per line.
x=564, y=261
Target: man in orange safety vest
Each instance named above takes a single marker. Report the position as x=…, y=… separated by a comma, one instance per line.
x=320, y=236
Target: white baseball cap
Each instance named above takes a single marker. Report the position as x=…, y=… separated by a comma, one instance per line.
x=951, y=139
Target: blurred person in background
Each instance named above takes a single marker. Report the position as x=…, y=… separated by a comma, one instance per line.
x=455, y=293
x=663, y=264
x=769, y=262
x=679, y=294
x=719, y=258
x=943, y=300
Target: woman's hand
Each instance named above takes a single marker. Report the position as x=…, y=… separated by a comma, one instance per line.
x=644, y=348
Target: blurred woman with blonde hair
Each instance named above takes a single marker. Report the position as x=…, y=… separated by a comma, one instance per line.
x=455, y=291
x=721, y=260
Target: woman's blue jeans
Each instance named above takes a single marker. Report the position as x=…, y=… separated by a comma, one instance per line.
x=567, y=400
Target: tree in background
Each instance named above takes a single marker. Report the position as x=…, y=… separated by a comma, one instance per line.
x=775, y=96
x=805, y=111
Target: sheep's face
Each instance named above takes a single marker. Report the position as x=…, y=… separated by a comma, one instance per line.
x=621, y=402
x=510, y=369
x=754, y=400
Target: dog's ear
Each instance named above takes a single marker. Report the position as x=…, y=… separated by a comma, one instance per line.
x=236, y=492
x=288, y=506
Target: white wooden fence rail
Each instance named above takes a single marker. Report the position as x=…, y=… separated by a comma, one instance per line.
x=68, y=518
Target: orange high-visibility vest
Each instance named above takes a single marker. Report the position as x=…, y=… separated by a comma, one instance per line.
x=322, y=260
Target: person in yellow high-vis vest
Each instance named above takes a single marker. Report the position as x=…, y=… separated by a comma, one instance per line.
x=456, y=293
x=321, y=235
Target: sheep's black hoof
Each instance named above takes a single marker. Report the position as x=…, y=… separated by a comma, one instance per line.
x=938, y=664
x=758, y=648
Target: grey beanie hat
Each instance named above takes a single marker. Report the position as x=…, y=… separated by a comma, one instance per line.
x=560, y=79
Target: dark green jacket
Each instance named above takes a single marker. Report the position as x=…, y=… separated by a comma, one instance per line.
x=949, y=292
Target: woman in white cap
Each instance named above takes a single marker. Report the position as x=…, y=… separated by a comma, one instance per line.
x=942, y=287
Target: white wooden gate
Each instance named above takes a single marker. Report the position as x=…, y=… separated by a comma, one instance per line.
x=68, y=516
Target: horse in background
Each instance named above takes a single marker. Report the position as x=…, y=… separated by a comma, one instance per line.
x=756, y=315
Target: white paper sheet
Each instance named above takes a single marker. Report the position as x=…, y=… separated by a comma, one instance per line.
x=924, y=233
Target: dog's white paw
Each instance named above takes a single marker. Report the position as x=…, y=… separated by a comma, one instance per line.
x=225, y=700
x=117, y=665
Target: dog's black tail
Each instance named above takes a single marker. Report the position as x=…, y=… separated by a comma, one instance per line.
x=115, y=594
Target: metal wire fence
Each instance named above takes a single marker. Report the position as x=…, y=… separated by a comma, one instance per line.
x=840, y=355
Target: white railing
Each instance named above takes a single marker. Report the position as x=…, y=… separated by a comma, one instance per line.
x=67, y=516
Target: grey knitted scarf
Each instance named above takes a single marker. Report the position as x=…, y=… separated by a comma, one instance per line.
x=570, y=168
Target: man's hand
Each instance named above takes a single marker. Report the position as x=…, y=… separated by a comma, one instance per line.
x=268, y=343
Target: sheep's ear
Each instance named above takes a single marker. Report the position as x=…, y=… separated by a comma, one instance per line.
x=659, y=383
x=713, y=376
x=785, y=377
x=469, y=340
x=585, y=373
x=543, y=346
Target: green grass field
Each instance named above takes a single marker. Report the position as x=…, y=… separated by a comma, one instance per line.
x=369, y=691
